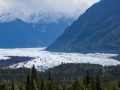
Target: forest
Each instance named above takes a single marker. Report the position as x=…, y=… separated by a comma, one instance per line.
x=62, y=77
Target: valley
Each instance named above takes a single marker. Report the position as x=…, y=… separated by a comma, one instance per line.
x=45, y=59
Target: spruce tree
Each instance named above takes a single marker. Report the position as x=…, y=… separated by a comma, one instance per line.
x=50, y=84
x=98, y=84
x=69, y=87
x=22, y=87
x=78, y=84
x=42, y=85
x=49, y=75
x=118, y=84
x=28, y=82
x=64, y=86
x=4, y=85
x=34, y=82
x=87, y=79
x=12, y=84
x=34, y=73
x=35, y=85
x=57, y=88
x=92, y=86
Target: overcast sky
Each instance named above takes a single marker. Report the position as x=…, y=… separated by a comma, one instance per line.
x=41, y=10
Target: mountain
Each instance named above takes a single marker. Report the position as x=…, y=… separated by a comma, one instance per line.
x=20, y=34
x=97, y=30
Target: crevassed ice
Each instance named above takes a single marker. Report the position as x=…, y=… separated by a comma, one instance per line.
x=44, y=59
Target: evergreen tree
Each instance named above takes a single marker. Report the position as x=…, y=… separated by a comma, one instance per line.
x=92, y=85
x=42, y=85
x=22, y=87
x=12, y=84
x=0, y=79
x=98, y=84
x=78, y=85
x=34, y=82
x=4, y=85
x=87, y=79
x=34, y=73
x=69, y=87
x=35, y=85
x=118, y=84
x=28, y=82
x=50, y=85
x=57, y=88
x=49, y=75
x=64, y=87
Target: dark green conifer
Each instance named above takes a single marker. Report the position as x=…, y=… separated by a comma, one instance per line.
x=118, y=84
x=78, y=84
x=57, y=87
x=28, y=82
x=50, y=85
x=87, y=79
x=34, y=73
x=12, y=84
x=64, y=87
x=4, y=85
x=35, y=85
x=92, y=86
x=98, y=84
x=49, y=75
x=42, y=85
x=34, y=82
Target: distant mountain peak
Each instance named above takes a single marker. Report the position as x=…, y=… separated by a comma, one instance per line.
x=20, y=34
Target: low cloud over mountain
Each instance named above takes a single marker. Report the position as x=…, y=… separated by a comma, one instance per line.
x=42, y=10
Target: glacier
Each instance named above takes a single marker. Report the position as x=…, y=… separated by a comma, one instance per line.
x=45, y=59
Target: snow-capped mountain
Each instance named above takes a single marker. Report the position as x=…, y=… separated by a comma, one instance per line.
x=17, y=33
x=45, y=59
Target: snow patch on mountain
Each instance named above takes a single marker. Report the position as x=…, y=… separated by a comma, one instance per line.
x=45, y=59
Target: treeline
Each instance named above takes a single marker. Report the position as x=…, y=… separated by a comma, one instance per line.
x=65, y=73
x=31, y=82
x=63, y=77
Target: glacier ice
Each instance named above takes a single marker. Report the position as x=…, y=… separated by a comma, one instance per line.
x=45, y=59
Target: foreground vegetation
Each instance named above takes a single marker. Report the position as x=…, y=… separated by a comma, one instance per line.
x=63, y=77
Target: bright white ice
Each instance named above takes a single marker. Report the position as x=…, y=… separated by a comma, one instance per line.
x=44, y=59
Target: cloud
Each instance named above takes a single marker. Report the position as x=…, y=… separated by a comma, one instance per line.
x=42, y=10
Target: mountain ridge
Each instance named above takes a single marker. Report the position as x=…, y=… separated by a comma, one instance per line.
x=20, y=34
x=97, y=30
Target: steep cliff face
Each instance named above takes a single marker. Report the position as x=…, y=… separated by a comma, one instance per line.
x=97, y=30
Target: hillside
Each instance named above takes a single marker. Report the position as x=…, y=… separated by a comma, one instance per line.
x=82, y=77
x=63, y=73
x=20, y=34
x=97, y=30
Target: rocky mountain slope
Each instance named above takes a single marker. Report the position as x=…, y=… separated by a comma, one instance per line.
x=97, y=30
x=20, y=34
